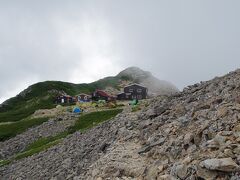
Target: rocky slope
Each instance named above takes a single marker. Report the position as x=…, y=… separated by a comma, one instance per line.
x=194, y=134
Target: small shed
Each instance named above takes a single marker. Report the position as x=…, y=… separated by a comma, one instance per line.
x=65, y=99
x=84, y=97
x=133, y=91
x=121, y=96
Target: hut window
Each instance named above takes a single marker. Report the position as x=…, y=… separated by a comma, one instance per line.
x=131, y=90
x=139, y=90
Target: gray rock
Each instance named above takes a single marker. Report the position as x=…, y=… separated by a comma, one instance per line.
x=148, y=147
x=67, y=163
x=159, y=142
x=144, y=149
x=180, y=171
x=224, y=164
x=103, y=146
x=158, y=110
x=206, y=174
x=188, y=138
x=166, y=177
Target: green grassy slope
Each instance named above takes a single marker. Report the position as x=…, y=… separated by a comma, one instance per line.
x=12, y=129
x=41, y=96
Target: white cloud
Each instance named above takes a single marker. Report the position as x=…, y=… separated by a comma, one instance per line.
x=17, y=87
x=82, y=41
x=91, y=40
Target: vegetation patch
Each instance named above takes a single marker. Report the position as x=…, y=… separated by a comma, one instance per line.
x=92, y=119
x=4, y=162
x=43, y=141
x=12, y=129
x=29, y=152
x=32, y=151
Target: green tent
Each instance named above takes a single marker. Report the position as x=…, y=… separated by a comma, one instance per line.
x=134, y=102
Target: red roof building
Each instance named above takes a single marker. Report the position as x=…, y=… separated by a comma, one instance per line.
x=101, y=95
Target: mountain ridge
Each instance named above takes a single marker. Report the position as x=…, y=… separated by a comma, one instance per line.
x=40, y=95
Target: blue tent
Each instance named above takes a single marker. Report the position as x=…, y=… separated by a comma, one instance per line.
x=76, y=110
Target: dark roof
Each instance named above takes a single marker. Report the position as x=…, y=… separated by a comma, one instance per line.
x=102, y=93
x=135, y=84
x=121, y=93
x=65, y=96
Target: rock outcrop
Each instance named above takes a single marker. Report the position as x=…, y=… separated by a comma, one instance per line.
x=224, y=164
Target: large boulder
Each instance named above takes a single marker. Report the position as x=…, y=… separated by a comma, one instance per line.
x=224, y=164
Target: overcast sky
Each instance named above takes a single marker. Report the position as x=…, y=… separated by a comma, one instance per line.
x=182, y=41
